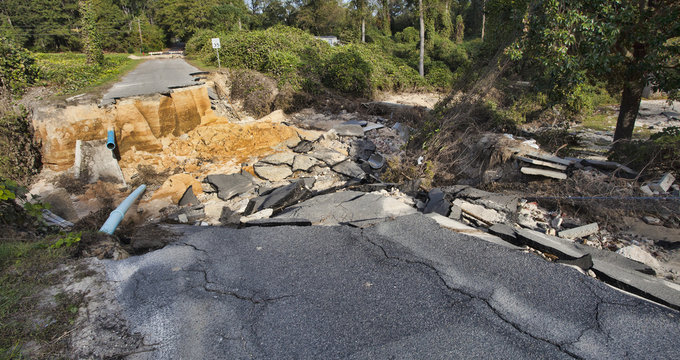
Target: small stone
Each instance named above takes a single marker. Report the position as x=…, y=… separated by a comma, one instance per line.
x=182, y=218
x=651, y=220
x=646, y=190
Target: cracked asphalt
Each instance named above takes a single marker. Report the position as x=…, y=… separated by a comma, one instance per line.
x=403, y=288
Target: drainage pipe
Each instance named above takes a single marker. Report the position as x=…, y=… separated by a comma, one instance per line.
x=111, y=140
x=117, y=215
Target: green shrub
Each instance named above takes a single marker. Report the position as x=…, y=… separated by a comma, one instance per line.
x=408, y=35
x=284, y=65
x=348, y=72
x=660, y=153
x=439, y=75
x=17, y=67
x=200, y=43
x=255, y=90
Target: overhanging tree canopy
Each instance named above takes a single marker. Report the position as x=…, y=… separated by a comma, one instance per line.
x=627, y=43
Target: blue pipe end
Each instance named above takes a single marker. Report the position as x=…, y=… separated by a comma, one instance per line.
x=111, y=140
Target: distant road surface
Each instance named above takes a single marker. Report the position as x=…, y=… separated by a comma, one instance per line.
x=151, y=77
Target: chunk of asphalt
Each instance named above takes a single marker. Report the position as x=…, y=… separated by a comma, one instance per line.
x=189, y=198
x=330, y=157
x=272, y=172
x=349, y=130
x=504, y=232
x=459, y=227
x=229, y=186
x=362, y=149
x=436, y=203
x=356, y=122
x=579, y=232
x=585, y=262
x=304, y=163
x=376, y=161
x=350, y=169
x=303, y=147
x=373, y=126
x=545, y=173
x=564, y=249
x=272, y=222
x=279, y=159
x=279, y=198
x=347, y=207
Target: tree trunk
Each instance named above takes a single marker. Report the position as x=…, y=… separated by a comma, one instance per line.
x=630, y=105
x=363, y=30
x=483, y=18
x=421, y=63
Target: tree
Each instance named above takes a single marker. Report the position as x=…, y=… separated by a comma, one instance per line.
x=460, y=29
x=362, y=10
x=421, y=61
x=93, y=47
x=628, y=43
x=385, y=17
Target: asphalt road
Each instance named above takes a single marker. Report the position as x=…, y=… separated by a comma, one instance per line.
x=151, y=77
x=402, y=289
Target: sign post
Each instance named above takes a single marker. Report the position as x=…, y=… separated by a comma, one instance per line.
x=216, y=46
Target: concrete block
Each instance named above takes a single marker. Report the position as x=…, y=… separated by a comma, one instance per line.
x=663, y=184
x=646, y=190
x=581, y=231
x=541, y=172
x=541, y=163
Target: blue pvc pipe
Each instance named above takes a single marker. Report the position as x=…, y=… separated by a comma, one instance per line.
x=111, y=140
x=117, y=215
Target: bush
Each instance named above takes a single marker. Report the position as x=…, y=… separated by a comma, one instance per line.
x=17, y=67
x=660, y=153
x=348, y=72
x=255, y=90
x=439, y=75
x=200, y=43
x=408, y=35
x=19, y=156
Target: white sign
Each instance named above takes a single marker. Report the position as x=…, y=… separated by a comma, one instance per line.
x=216, y=43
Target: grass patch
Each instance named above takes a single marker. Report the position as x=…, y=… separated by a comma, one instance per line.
x=70, y=73
x=26, y=270
x=599, y=122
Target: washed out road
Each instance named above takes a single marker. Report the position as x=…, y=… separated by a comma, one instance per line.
x=401, y=289
x=151, y=77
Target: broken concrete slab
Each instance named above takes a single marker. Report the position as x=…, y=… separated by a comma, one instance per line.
x=376, y=161
x=348, y=207
x=584, y=263
x=279, y=159
x=229, y=186
x=615, y=259
x=504, y=232
x=262, y=214
x=350, y=169
x=349, y=130
x=356, y=122
x=304, y=163
x=550, y=158
x=542, y=172
x=459, y=227
x=579, y=232
x=95, y=162
x=436, y=203
x=541, y=163
x=610, y=165
x=373, y=126
x=455, y=213
x=189, y=198
x=279, y=198
x=328, y=156
x=272, y=172
x=479, y=212
x=663, y=184
x=636, y=253
x=548, y=244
